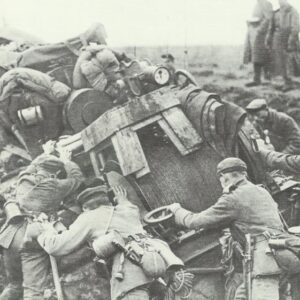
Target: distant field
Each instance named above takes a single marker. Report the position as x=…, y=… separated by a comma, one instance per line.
x=226, y=57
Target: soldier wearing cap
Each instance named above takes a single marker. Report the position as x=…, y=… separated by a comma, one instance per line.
x=281, y=128
x=41, y=189
x=169, y=62
x=101, y=225
x=246, y=209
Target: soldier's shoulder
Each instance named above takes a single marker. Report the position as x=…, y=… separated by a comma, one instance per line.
x=230, y=189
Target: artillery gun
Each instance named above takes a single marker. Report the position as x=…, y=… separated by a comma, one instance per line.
x=166, y=141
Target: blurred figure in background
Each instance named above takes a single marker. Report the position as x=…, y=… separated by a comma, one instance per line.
x=168, y=61
x=255, y=50
x=283, y=40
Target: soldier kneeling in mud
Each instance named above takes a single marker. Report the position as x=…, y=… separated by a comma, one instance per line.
x=115, y=232
x=250, y=209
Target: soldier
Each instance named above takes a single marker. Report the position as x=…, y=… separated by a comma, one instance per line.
x=169, y=63
x=283, y=40
x=255, y=49
x=247, y=209
x=282, y=129
x=101, y=225
x=41, y=188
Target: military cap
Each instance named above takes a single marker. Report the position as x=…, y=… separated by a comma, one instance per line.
x=50, y=163
x=231, y=164
x=91, y=193
x=256, y=105
x=168, y=56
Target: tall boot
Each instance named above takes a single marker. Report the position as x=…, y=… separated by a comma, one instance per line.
x=13, y=269
x=257, y=75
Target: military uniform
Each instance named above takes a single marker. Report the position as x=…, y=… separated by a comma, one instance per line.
x=283, y=38
x=255, y=49
x=94, y=224
x=283, y=130
x=281, y=161
x=247, y=209
x=36, y=194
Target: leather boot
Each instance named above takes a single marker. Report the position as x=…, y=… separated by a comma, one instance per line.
x=257, y=74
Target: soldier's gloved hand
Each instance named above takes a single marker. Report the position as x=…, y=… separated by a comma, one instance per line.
x=174, y=207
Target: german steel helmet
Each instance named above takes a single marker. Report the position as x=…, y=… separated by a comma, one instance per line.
x=231, y=164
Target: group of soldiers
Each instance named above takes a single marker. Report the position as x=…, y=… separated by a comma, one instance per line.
x=272, y=43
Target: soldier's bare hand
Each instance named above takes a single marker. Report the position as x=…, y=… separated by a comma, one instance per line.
x=49, y=147
x=120, y=193
x=64, y=154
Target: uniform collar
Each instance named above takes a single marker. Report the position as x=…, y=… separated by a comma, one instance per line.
x=233, y=186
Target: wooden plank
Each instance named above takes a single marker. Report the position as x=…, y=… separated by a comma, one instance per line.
x=146, y=122
x=183, y=129
x=95, y=163
x=129, y=151
x=173, y=137
x=126, y=115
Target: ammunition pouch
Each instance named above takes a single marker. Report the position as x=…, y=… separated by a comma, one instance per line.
x=154, y=256
x=105, y=246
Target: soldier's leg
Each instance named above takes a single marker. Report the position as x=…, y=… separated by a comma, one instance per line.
x=295, y=287
x=13, y=268
x=137, y=294
x=36, y=266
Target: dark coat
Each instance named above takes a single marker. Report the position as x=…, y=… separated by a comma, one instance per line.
x=255, y=50
x=283, y=130
x=283, y=37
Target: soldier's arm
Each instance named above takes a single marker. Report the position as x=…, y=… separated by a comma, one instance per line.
x=292, y=135
x=66, y=242
x=72, y=182
x=282, y=161
x=220, y=214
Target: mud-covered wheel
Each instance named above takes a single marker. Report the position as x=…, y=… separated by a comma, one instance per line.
x=234, y=283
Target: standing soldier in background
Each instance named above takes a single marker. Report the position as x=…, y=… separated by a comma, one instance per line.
x=255, y=49
x=168, y=61
x=283, y=40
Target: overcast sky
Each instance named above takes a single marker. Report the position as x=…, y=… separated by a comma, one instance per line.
x=134, y=22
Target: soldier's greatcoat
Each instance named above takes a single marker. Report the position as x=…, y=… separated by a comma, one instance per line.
x=283, y=38
x=255, y=50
